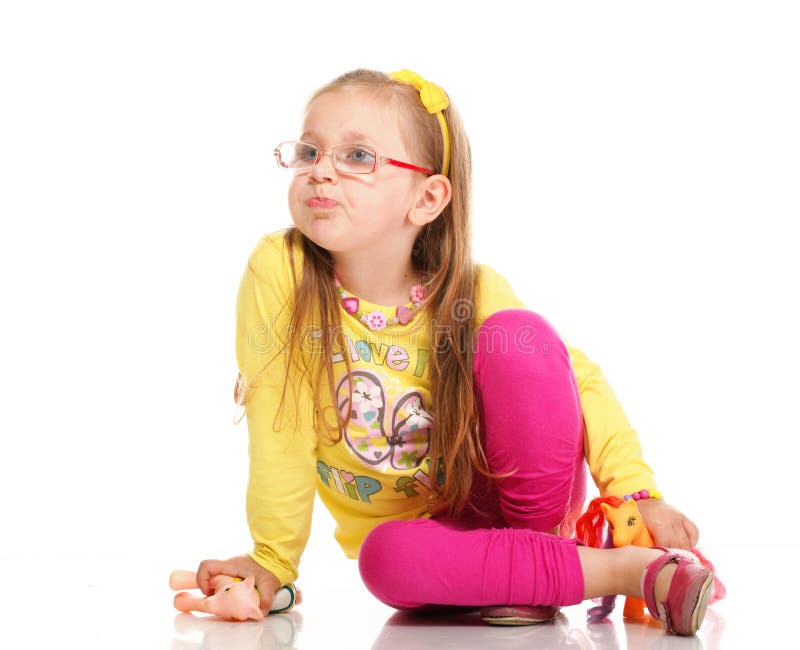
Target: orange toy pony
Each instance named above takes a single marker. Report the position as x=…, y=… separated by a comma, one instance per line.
x=625, y=526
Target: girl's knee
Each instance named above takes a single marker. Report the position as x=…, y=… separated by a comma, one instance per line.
x=518, y=333
x=519, y=317
x=383, y=561
x=376, y=548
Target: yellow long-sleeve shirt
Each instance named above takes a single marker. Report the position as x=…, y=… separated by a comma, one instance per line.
x=368, y=478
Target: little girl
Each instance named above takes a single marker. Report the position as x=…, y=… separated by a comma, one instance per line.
x=443, y=424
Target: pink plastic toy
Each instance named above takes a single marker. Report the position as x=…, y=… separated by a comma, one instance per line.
x=233, y=598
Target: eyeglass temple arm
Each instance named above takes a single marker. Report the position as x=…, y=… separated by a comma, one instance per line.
x=405, y=165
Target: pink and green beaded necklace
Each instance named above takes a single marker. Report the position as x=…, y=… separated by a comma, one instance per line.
x=376, y=319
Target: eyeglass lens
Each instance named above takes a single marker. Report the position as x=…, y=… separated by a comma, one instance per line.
x=351, y=159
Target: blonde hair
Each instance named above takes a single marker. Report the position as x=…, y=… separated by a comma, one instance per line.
x=443, y=250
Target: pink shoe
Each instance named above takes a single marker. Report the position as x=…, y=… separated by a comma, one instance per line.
x=519, y=614
x=683, y=610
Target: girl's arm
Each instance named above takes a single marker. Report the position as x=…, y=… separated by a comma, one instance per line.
x=614, y=454
x=282, y=476
x=611, y=445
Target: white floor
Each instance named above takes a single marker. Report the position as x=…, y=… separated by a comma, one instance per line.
x=102, y=601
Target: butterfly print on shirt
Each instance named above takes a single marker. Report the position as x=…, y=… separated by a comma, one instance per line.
x=405, y=444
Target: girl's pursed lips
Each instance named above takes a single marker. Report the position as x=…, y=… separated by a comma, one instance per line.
x=321, y=202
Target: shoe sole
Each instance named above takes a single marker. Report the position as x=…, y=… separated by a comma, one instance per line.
x=512, y=615
x=514, y=620
x=699, y=611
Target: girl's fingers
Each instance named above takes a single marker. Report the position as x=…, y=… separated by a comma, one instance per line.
x=265, y=582
x=207, y=570
x=692, y=532
x=266, y=595
x=671, y=536
x=677, y=536
x=664, y=537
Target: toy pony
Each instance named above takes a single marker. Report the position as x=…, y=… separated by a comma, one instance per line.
x=233, y=598
x=625, y=527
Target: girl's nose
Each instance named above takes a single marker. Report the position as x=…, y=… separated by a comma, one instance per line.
x=323, y=169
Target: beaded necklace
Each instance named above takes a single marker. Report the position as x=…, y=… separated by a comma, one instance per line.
x=376, y=319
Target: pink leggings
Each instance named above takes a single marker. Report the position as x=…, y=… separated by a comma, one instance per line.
x=531, y=419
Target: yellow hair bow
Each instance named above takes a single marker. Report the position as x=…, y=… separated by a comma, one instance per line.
x=435, y=100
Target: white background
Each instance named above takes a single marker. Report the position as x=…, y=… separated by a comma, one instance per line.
x=636, y=180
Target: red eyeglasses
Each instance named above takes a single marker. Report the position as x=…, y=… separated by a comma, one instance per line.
x=347, y=158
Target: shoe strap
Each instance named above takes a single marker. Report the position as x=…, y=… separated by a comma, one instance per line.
x=671, y=555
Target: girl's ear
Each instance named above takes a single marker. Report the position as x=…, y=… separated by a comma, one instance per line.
x=433, y=196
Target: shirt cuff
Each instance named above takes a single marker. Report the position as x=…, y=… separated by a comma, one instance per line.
x=281, y=570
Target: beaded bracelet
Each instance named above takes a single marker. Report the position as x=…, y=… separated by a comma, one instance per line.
x=644, y=494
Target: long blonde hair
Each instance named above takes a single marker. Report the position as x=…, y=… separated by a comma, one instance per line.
x=443, y=251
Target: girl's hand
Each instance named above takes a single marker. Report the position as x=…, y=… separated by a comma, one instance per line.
x=668, y=525
x=239, y=567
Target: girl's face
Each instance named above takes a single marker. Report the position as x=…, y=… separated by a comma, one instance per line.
x=370, y=210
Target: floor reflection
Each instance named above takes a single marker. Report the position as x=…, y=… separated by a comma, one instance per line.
x=403, y=630
x=275, y=632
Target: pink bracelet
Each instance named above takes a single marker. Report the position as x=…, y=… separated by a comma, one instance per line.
x=644, y=494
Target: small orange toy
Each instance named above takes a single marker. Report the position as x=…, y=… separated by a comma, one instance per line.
x=625, y=527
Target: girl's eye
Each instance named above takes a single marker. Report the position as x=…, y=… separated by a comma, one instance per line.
x=359, y=155
x=307, y=153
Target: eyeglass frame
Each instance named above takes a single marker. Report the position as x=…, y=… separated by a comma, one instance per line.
x=380, y=159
